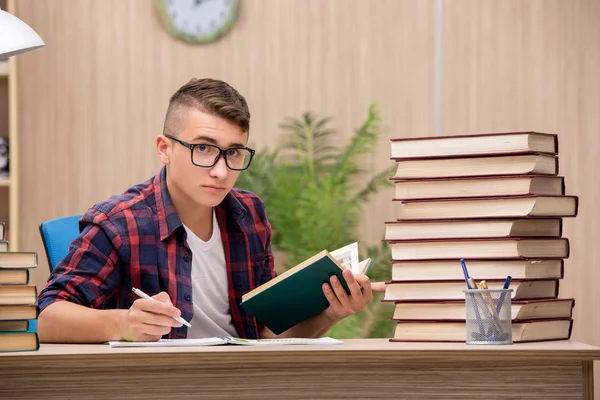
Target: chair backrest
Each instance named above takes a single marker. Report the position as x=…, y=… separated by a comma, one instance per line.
x=57, y=234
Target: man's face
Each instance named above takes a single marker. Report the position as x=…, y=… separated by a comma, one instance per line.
x=198, y=185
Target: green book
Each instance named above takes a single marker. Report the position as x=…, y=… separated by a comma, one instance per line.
x=297, y=294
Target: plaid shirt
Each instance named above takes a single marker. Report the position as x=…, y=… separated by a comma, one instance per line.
x=137, y=240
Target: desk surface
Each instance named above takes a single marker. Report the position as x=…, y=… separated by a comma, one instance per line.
x=357, y=369
x=381, y=349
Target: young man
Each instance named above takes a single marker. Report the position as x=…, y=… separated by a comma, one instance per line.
x=184, y=237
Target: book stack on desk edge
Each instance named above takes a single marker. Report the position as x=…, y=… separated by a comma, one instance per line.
x=495, y=200
x=18, y=299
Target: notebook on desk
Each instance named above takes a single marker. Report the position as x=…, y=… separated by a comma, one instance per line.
x=221, y=340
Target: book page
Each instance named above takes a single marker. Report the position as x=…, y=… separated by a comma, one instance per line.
x=348, y=257
x=171, y=343
x=213, y=341
x=263, y=342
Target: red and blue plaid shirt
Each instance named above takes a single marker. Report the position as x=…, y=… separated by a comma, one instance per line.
x=137, y=240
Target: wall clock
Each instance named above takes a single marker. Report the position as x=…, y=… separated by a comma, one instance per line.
x=198, y=21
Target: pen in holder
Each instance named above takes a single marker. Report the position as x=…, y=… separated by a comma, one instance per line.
x=488, y=316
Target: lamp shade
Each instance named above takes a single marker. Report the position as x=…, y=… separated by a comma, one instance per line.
x=16, y=36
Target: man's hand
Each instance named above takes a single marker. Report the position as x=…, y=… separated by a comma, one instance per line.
x=342, y=305
x=149, y=320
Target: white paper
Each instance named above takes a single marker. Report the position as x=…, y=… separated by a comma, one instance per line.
x=224, y=340
x=263, y=342
x=348, y=257
x=171, y=343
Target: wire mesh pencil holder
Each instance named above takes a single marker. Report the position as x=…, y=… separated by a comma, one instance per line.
x=488, y=316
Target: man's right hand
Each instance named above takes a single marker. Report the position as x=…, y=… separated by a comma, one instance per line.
x=148, y=321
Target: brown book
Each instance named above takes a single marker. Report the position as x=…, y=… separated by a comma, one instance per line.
x=498, y=186
x=453, y=290
x=521, y=310
x=491, y=207
x=524, y=331
x=14, y=326
x=472, y=228
x=18, y=259
x=483, y=143
x=480, y=165
x=424, y=270
x=14, y=295
x=19, y=341
x=14, y=276
x=22, y=311
x=481, y=248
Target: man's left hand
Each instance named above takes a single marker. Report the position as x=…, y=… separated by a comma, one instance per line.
x=342, y=305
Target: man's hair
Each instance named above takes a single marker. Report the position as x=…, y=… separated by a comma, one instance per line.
x=211, y=96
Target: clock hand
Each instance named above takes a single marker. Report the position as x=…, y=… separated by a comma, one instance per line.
x=199, y=2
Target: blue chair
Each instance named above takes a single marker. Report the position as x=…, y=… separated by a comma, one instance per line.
x=57, y=234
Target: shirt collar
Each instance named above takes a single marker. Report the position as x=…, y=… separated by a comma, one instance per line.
x=168, y=219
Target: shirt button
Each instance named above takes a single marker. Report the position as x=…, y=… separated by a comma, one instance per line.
x=188, y=297
x=187, y=257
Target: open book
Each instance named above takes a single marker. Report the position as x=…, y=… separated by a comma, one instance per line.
x=297, y=294
x=220, y=340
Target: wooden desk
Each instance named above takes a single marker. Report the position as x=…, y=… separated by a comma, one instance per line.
x=358, y=369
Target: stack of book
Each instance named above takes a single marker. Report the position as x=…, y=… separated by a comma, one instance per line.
x=18, y=299
x=495, y=200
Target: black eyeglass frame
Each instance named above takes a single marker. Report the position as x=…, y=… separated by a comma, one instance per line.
x=222, y=153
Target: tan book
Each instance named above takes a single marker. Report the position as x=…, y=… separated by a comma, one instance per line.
x=521, y=310
x=490, y=207
x=485, y=248
x=526, y=331
x=480, y=165
x=14, y=326
x=436, y=270
x=18, y=259
x=472, y=228
x=499, y=186
x=483, y=143
x=22, y=311
x=19, y=341
x=14, y=295
x=14, y=276
x=453, y=290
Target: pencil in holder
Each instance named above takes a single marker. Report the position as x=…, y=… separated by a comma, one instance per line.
x=488, y=316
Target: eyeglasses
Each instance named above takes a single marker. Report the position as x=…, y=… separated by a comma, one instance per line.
x=207, y=155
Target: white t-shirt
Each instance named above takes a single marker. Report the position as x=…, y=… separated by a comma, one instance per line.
x=212, y=315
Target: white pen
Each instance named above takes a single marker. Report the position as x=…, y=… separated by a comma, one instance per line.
x=145, y=296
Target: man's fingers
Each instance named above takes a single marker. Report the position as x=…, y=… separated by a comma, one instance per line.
x=365, y=283
x=353, y=285
x=158, y=319
x=163, y=297
x=330, y=296
x=340, y=292
x=378, y=287
x=154, y=330
x=157, y=307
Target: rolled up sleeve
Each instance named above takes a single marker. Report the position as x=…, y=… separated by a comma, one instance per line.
x=90, y=273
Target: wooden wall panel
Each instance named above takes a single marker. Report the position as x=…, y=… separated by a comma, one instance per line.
x=92, y=101
x=533, y=65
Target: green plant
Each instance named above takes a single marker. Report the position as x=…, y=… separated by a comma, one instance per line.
x=315, y=195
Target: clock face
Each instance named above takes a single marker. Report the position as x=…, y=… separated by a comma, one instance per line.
x=198, y=21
